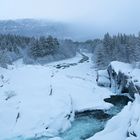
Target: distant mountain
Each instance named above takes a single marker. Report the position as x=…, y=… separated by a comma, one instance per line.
x=32, y=27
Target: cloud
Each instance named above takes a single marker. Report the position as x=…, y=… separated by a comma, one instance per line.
x=100, y=15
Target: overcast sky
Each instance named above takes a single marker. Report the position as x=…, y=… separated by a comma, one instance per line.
x=102, y=15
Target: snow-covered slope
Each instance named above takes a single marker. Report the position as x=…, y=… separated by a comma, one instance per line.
x=40, y=100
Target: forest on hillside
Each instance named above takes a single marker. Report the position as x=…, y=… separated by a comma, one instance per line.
x=121, y=47
x=31, y=49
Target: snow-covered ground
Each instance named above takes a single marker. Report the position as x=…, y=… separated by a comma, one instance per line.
x=40, y=100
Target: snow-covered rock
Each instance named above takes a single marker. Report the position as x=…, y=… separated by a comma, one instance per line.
x=124, y=78
x=103, y=78
x=121, y=66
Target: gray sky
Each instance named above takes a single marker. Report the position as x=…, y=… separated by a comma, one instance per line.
x=102, y=15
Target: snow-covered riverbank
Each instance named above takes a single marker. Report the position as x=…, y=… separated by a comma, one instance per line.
x=41, y=100
x=124, y=126
x=123, y=79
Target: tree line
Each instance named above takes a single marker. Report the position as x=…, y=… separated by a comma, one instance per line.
x=13, y=47
x=121, y=47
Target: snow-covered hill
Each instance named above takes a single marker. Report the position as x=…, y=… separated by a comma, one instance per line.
x=32, y=27
x=40, y=100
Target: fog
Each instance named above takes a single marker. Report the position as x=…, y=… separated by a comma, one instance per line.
x=90, y=17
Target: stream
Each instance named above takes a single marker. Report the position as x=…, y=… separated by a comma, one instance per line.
x=89, y=122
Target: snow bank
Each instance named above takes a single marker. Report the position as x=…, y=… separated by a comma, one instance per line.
x=124, y=78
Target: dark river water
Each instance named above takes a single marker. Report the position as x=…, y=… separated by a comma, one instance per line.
x=87, y=123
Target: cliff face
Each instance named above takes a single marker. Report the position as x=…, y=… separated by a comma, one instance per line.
x=123, y=78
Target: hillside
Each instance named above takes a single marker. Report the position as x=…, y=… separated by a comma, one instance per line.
x=32, y=27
